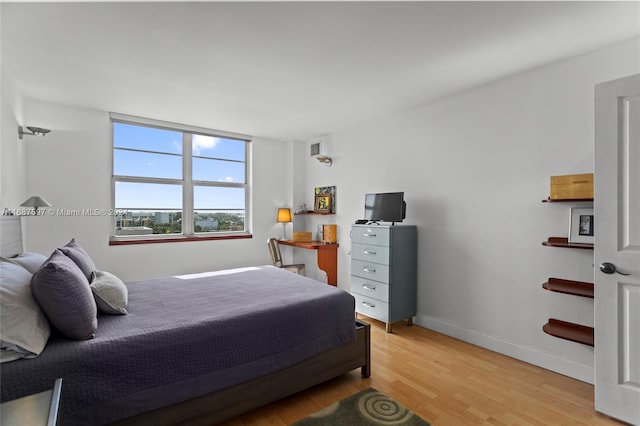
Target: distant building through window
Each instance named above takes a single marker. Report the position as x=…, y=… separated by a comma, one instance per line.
x=164, y=173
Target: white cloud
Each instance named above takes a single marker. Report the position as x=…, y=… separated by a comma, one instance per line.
x=201, y=142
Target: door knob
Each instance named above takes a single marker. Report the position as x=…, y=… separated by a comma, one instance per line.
x=610, y=268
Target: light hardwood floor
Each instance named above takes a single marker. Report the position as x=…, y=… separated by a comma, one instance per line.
x=447, y=382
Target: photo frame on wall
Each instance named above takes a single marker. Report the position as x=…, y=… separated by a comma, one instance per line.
x=327, y=190
x=581, y=225
x=322, y=203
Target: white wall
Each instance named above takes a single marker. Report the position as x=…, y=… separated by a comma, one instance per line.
x=474, y=168
x=72, y=170
x=12, y=150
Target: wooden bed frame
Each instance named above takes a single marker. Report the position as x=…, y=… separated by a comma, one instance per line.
x=231, y=402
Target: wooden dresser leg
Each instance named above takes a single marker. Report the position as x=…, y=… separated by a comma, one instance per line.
x=409, y=321
x=365, y=371
x=389, y=328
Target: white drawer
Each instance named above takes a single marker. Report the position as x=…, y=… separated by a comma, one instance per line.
x=369, y=288
x=372, y=308
x=370, y=235
x=370, y=253
x=370, y=270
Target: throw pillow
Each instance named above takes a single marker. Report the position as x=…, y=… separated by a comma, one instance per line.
x=110, y=292
x=63, y=293
x=80, y=257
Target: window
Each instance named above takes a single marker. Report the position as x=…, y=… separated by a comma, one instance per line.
x=164, y=173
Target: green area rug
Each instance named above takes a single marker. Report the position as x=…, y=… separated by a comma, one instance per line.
x=368, y=407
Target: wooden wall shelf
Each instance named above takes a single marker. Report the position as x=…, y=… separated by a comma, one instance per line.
x=564, y=243
x=569, y=331
x=312, y=213
x=549, y=200
x=563, y=329
x=575, y=288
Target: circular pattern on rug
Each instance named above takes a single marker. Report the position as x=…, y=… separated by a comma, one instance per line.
x=327, y=411
x=377, y=408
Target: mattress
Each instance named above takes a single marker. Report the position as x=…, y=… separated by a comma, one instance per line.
x=185, y=337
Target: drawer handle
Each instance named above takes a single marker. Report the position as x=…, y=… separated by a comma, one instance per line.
x=370, y=270
x=369, y=305
x=368, y=287
x=368, y=235
x=368, y=252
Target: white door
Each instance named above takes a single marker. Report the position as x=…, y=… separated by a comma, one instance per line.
x=617, y=249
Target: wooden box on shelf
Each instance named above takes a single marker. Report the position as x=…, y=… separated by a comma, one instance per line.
x=302, y=237
x=571, y=187
x=329, y=233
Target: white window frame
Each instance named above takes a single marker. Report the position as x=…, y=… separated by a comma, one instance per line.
x=186, y=182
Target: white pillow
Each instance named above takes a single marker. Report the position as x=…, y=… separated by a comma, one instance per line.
x=30, y=261
x=110, y=292
x=24, y=329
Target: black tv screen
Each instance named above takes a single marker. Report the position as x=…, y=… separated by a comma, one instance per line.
x=385, y=207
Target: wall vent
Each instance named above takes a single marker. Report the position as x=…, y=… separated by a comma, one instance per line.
x=315, y=148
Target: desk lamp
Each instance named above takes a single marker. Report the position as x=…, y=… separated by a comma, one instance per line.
x=35, y=202
x=284, y=217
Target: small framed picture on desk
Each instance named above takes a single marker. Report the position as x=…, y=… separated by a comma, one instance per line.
x=322, y=203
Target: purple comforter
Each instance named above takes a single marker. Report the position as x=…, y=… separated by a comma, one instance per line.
x=186, y=337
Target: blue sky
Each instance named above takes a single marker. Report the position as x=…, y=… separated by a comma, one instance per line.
x=211, y=167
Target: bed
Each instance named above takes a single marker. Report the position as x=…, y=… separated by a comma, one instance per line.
x=198, y=348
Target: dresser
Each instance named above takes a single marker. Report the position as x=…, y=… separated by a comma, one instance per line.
x=384, y=271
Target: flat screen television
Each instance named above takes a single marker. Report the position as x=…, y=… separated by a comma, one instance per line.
x=385, y=207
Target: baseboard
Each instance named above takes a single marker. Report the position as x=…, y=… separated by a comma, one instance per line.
x=533, y=356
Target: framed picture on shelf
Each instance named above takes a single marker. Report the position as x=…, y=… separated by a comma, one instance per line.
x=322, y=203
x=581, y=225
x=330, y=190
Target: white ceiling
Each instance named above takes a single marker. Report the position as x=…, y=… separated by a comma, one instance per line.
x=288, y=70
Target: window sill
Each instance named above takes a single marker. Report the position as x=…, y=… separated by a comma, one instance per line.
x=177, y=239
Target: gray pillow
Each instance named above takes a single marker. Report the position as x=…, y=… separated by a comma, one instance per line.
x=29, y=261
x=24, y=329
x=80, y=257
x=63, y=293
x=110, y=292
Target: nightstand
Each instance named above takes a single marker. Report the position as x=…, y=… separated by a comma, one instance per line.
x=34, y=410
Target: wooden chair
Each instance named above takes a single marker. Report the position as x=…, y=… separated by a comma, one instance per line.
x=276, y=258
